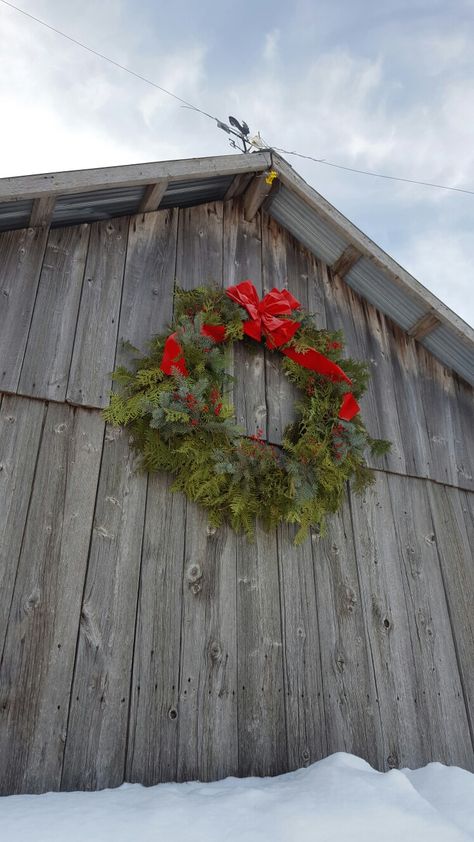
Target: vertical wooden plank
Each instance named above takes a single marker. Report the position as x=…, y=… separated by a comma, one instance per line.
x=21, y=256
x=352, y=713
x=97, y=326
x=48, y=353
x=435, y=385
x=388, y=627
x=263, y=746
x=365, y=334
x=305, y=720
x=153, y=731
x=462, y=411
x=200, y=246
x=147, y=306
x=207, y=723
x=406, y=376
x=41, y=637
x=242, y=261
x=440, y=697
x=467, y=505
x=207, y=727
x=147, y=300
x=21, y=423
x=280, y=394
x=317, y=280
x=97, y=728
x=286, y=264
x=450, y=508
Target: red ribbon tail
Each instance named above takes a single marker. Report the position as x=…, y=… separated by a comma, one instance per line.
x=173, y=357
x=317, y=362
x=349, y=407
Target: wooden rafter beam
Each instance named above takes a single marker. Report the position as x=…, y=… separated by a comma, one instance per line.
x=424, y=325
x=237, y=186
x=344, y=263
x=42, y=212
x=255, y=194
x=153, y=196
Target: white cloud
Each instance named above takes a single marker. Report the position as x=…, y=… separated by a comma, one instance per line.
x=270, y=48
x=442, y=260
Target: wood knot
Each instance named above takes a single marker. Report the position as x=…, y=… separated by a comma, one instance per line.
x=33, y=600
x=215, y=650
x=196, y=588
x=386, y=623
x=305, y=756
x=340, y=663
x=173, y=713
x=194, y=573
x=350, y=599
x=392, y=761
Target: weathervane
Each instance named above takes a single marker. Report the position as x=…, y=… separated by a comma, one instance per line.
x=241, y=131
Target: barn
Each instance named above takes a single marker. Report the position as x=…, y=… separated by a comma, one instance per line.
x=137, y=643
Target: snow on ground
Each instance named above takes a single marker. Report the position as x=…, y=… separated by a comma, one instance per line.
x=339, y=798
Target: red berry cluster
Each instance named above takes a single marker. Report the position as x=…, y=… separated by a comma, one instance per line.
x=216, y=401
x=256, y=446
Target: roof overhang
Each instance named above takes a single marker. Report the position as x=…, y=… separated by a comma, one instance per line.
x=69, y=198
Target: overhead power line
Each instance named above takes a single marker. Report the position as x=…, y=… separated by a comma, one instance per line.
x=221, y=124
x=373, y=174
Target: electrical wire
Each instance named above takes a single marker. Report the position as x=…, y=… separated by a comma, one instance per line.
x=374, y=174
x=222, y=124
x=110, y=60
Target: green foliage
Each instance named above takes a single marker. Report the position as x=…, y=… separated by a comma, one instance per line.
x=184, y=425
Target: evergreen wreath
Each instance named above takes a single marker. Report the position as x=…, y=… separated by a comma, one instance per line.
x=174, y=403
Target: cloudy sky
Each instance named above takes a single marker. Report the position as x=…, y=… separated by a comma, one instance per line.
x=385, y=86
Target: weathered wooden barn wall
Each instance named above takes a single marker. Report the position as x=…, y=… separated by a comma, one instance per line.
x=139, y=645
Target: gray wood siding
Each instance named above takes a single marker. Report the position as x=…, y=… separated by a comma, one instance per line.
x=138, y=644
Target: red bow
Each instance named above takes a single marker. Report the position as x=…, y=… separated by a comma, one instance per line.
x=264, y=314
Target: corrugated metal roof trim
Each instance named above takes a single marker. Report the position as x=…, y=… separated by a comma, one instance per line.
x=94, y=205
x=322, y=239
x=379, y=289
x=186, y=193
x=367, y=279
x=306, y=225
x=97, y=204
x=15, y=214
x=451, y=351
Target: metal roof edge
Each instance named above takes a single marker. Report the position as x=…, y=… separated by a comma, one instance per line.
x=355, y=236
